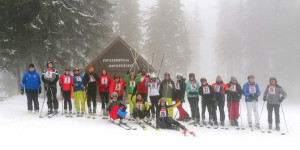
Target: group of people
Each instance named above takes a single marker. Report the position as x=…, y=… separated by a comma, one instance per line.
x=165, y=95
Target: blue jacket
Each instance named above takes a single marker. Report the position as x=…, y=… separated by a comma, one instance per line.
x=247, y=93
x=31, y=80
x=80, y=83
x=192, y=91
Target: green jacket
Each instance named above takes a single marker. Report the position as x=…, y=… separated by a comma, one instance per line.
x=131, y=84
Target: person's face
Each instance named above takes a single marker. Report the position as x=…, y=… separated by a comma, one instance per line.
x=273, y=82
x=234, y=82
x=219, y=79
x=139, y=97
x=114, y=98
x=76, y=72
x=251, y=79
x=204, y=82
x=91, y=70
x=144, y=71
x=103, y=72
x=31, y=69
x=132, y=77
x=163, y=103
x=167, y=77
x=50, y=65
x=67, y=72
x=117, y=79
x=192, y=77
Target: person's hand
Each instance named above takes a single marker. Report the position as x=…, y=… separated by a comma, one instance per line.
x=40, y=90
x=182, y=101
x=281, y=99
x=22, y=92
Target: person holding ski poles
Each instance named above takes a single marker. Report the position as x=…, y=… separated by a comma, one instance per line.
x=153, y=83
x=78, y=92
x=31, y=84
x=90, y=81
x=103, y=86
x=233, y=100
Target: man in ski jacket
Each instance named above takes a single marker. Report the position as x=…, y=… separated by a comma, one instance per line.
x=233, y=100
x=50, y=78
x=166, y=91
x=90, y=81
x=78, y=91
x=66, y=82
x=103, y=86
x=31, y=84
x=207, y=93
x=192, y=88
x=220, y=90
x=274, y=95
x=142, y=88
x=153, y=83
x=178, y=96
x=141, y=109
x=118, y=85
x=251, y=92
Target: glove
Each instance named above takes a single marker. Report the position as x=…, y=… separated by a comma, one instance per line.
x=22, y=92
x=128, y=72
x=265, y=98
x=252, y=96
x=182, y=101
x=281, y=99
x=82, y=85
x=76, y=84
x=148, y=76
x=124, y=88
x=40, y=90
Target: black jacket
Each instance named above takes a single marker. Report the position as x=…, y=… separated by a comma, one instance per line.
x=179, y=93
x=234, y=95
x=87, y=82
x=205, y=96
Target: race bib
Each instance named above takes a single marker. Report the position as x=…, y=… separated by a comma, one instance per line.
x=132, y=83
x=48, y=74
x=139, y=105
x=252, y=89
x=118, y=87
x=104, y=80
x=67, y=80
x=177, y=86
x=233, y=88
x=193, y=85
x=206, y=90
x=142, y=78
x=78, y=79
x=170, y=84
x=163, y=113
x=153, y=85
x=92, y=79
x=271, y=89
x=217, y=88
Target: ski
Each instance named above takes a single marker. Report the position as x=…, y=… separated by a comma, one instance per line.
x=186, y=132
x=44, y=116
x=141, y=125
x=120, y=125
x=125, y=124
x=52, y=115
x=151, y=125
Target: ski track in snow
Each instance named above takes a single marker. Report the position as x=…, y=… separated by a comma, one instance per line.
x=19, y=130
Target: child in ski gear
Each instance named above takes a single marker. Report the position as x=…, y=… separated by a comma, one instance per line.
x=251, y=92
x=166, y=91
x=118, y=85
x=78, y=91
x=90, y=81
x=131, y=80
x=116, y=107
x=220, y=90
x=162, y=117
x=153, y=83
x=141, y=87
x=31, y=83
x=178, y=96
x=274, y=95
x=66, y=82
x=141, y=109
x=103, y=86
x=207, y=93
x=50, y=77
x=192, y=89
x=233, y=100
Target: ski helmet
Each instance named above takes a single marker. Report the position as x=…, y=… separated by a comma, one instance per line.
x=152, y=76
x=162, y=100
x=114, y=94
x=49, y=62
x=273, y=78
x=167, y=74
x=250, y=76
x=191, y=74
x=75, y=69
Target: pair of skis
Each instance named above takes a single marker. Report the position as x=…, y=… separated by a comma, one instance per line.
x=49, y=115
x=123, y=125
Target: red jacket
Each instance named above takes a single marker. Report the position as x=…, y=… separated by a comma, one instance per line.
x=117, y=87
x=220, y=87
x=142, y=88
x=104, y=83
x=66, y=82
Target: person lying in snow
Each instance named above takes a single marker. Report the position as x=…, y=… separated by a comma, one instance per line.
x=116, y=108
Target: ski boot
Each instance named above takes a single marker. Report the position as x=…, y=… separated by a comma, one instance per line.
x=149, y=120
x=37, y=112
x=250, y=124
x=277, y=127
x=55, y=111
x=257, y=126
x=187, y=118
x=66, y=113
x=94, y=111
x=232, y=123
x=122, y=121
x=210, y=122
x=236, y=123
x=270, y=126
x=29, y=112
x=204, y=123
x=175, y=127
x=70, y=112
x=50, y=111
x=153, y=116
x=216, y=124
x=222, y=123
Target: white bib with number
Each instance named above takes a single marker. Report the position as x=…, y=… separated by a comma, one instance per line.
x=48, y=75
x=92, y=79
x=104, y=80
x=139, y=105
x=170, y=84
x=142, y=78
x=67, y=80
x=163, y=113
x=206, y=90
x=252, y=89
x=233, y=88
x=78, y=78
x=193, y=85
x=132, y=83
x=271, y=89
x=217, y=88
x=177, y=86
x=118, y=86
x=153, y=85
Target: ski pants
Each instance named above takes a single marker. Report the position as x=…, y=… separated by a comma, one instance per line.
x=194, y=104
x=145, y=97
x=170, y=102
x=52, y=100
x=32, y=95
x=79, y=100
x=270, y=108
x=154, y=103
x=252, y=106
x=206, y=104
x=67, y=100
x=167, y=123
x=132, y=102
x=91, y=97
x=104, y=99
x=233, y=110
x=141, y=114
x=182, y=112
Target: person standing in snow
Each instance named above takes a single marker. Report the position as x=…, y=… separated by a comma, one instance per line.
x=103, y=86
x=118, y=85
x=220, y=90
x=141, y=87
x=90, y=79
x=153, y=83
x=141, y=110
x=207, y=93
x=192, y=89
x=166, y=91
x=131, y=81
x=50, y=78
x=274, y=95
x=78, y=91
x=251, y=92
x=31, y=84
x=179, y=96
x=233, y=100
x=66, y=82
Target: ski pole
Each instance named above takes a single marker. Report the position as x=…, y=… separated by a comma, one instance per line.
x=284, y=119
x=261, y=110
x=241, y=116
x=161, y=64
x=62, y=103
x=45, y=91
x=176, y=114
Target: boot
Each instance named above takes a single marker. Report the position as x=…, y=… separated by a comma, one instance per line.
x=232, y=123
x=148, y=120
x=94, y=111
x=55, y=111
x=250, y=124
x=66, y=112
x=222, y=123
x=183, y=127
x=204, y=122
x=90, y=111
x=257, y=126
x=216, y=123
x=277, y=127
x=70, y=112
x=153, y=116
x=29, y=112
x=270, y=126
x=210, y=122
x=37, y=112
x=236, y=123
x=50, y=111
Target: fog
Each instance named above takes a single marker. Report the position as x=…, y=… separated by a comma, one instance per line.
x=207, y=37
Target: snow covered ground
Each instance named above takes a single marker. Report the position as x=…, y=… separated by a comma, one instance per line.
x=19, y=130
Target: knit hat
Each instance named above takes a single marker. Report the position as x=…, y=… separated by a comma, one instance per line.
x=250, y=76
x=233, y=79
x=31, y=66
x=273, y=78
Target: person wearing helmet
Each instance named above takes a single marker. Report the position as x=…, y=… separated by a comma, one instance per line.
x=274, y=95
x=50, y=77
x=90, y=79
x=103, y=86
x=118, y=85
x=166, y=91
x=66, y=82
x=233, y=100
x=78, y=92
x=116, y=107
x=153, y=83
x=163, y=119
x=131, y=80
x=141, y=110
x=179, y=95
x=251, y=92
x=192, y=88
x=141, y=87
x=207, y=93
x=220, y=89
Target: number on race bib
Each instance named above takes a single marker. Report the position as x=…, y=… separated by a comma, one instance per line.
x=67, y=80
x=132, y=83
x=78, y=78
x=217, y=88
x=233, y=88
x=170, y=84
x=163, y=113
x=118, y=87
x=104, y=80
x=92, y=79
x=193, y=85
x=271, y=89
x=48, y=75
x=206, y=90
x=153, y=85
x=139, y=105
x=177, y=86
x=252, y=89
